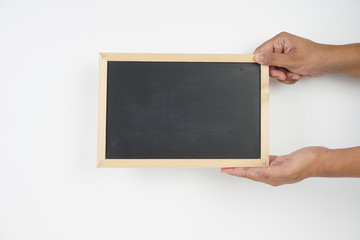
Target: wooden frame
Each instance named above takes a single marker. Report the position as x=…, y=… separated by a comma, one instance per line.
x=264, y=131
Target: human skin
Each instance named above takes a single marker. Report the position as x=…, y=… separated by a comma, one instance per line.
x=304, y=163
x=291, y=58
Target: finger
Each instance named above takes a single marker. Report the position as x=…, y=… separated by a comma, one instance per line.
x=287, y=76
x=261, y=174
x=292, y=76
x=277, y=73
x=272, y=158
x=247, y=172
x=254, y=174
x=280, y=43
x=319, y=74
x=257, y=175
x=267, y=181
x=274, y=161
x=289, y=82
x=274, y=59
x=240, y=172
x=251, y=173
x=265, y=47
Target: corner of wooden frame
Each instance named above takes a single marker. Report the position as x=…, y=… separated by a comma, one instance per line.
x=103, y=55
x=100, y=163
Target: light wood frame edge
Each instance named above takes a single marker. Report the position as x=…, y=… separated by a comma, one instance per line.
x=102, y=110
x=103, y=162
x=264, y=115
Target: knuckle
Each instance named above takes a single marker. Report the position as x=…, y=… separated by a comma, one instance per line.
x=283, y=33
x=265, y=174
x=270, y=58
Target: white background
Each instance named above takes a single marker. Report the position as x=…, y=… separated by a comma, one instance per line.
x=50, y=187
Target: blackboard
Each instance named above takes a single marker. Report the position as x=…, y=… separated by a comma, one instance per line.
x=182, y=110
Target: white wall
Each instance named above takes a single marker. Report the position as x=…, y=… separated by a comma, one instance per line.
x=50, y=187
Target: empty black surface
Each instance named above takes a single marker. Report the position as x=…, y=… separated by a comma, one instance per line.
x=183, y=110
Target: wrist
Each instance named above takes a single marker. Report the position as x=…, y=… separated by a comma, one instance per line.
x=328, y=58
x=341, y=59
x=321, y=164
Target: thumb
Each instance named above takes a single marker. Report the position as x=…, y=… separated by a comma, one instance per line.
x=273, y=59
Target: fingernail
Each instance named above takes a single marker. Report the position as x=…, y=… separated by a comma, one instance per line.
x=259, y=57
x=279, y=77
x=295, y=78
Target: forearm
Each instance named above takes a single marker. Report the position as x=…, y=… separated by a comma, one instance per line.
x=342, y=59
x=339, y=163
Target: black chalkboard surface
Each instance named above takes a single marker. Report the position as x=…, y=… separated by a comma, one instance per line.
x=182, y=113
